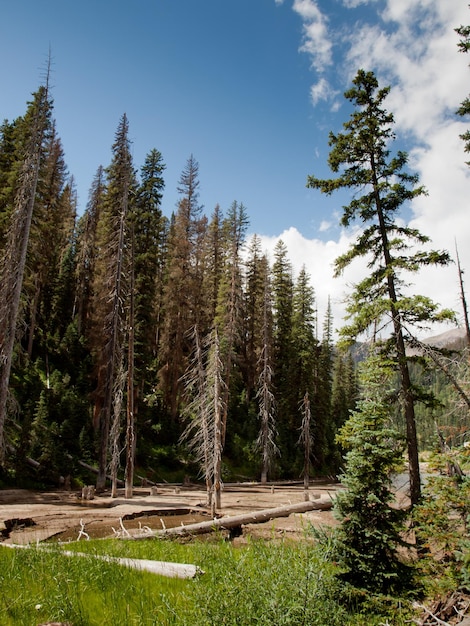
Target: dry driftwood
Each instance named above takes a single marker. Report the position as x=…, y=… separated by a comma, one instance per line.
x=226, y=523
x=162, y=568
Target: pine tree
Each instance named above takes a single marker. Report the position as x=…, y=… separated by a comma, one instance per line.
x=111, y=312
x=254, y=314
x=183, y=285
x=149, y=234
x=369, y=537
x=52, y=233
x=283, y=354
x=266, y=443
x=325, y=427
x=464, y=109
x=304, y=375
x=204, y=388
x=229, y=315
x=13, y=263
x=361, y=156
x=87, y=252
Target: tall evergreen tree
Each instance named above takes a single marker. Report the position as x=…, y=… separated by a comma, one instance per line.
x=464, y=109
x=183, y=285
x=283, y=354
x=370, y=534
x=304, y=375
x=229, y=315
x=325, y=427
x=52, y=233
x=266, y=441
x=254, y=314
x=150, y=230
x=113, y=292
x=13, y=263
x=361, y=155
x=87, y=253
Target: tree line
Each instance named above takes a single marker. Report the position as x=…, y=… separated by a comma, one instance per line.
x=174, y=343
x=132, y=337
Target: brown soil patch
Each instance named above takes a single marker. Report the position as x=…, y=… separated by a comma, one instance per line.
x=31, y=516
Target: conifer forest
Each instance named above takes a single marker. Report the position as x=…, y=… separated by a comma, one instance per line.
x=163, y=343
x=148, y=346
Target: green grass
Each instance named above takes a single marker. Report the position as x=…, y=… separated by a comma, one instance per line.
x=275, y=584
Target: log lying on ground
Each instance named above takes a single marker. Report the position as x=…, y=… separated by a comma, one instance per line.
x=162, y=568
x=226, y=523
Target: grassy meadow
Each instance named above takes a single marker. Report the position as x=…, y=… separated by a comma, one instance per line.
x=263, y=583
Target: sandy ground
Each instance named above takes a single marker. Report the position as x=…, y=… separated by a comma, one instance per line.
x=31, y=516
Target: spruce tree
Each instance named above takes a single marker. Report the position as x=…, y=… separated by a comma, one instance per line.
x=150, y=231
x=464, y=109
x=229, y=312
x=370, y=533
x=183, y=285
x=87, y=253
x=283, y=354
x=361, y=157
x=304, y=373
x=112, y=289
x=13, y=262
x=266, y=441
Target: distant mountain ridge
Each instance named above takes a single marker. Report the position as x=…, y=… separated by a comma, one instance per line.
x=453, y=339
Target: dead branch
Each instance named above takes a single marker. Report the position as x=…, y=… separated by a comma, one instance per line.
x=225, y=523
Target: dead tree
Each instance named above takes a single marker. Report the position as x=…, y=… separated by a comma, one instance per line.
x=204, y=434
x=463, y=298
x=14, y=259
x=130, y=422
x=306, y=440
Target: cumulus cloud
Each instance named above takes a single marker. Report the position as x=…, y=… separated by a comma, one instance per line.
x=352, y=4
x=318, y=258
x=322, y=90
x=413, y=48
x=324, y=226
x=315, y=37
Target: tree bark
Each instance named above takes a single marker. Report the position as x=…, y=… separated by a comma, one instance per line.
x=225, y=523
x=12, y=271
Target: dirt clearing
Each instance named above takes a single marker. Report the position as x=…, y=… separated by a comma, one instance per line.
x=32, y=516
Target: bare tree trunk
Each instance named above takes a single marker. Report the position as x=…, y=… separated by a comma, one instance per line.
x=14, y=261
x=116, y=429
x=218, y=423
x=306, y=439
x=113, y=329
x=256, y=517
x=462, y=298
x=403, y=369
x=130, y=430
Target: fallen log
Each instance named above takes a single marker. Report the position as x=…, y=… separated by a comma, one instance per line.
x=229, y=522
x=162, y=568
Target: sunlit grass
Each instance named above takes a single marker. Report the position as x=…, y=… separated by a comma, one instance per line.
x=263, y=583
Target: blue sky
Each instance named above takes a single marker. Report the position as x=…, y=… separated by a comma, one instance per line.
x=251, y=88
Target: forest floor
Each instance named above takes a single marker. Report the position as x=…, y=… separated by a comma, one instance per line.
x=32, y=516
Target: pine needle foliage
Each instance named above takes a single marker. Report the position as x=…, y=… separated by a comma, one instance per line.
x=464, y=109
x=360, y=156
x=371, y=529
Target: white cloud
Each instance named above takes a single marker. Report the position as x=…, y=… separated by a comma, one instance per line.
x=318, y=258
x=324, y=226
x=315, y=39
x=413, y=48
x=321, y=90
x=352, y=4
